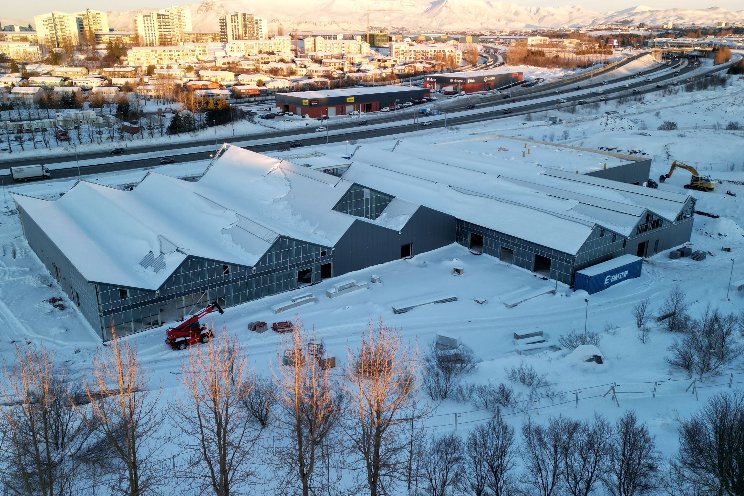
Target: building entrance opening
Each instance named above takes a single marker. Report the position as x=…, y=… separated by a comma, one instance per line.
x=476, y=243
x=642, y=247
x=506, y=255
x=285, y=108
x=406, y=251
x=542, y=265
x=304, y=276
x=326, y=271
x=366, y=107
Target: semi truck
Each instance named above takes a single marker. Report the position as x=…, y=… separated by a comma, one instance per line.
x=29, y=172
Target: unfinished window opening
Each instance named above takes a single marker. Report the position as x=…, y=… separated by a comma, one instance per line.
x=601, y=233
x=476, y=243
x=123, y=293
x=225, y=270
x=542, y=265
x=506, y=255
x=614, y=237
x=656, y=246
x=323, y=253
x=305, y=276
x=326, y=270
x=642, y=247
x=406, y=251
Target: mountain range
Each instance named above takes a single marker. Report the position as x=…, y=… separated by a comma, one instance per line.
x=431, y=15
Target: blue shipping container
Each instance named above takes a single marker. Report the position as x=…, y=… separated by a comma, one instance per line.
x=601, y=276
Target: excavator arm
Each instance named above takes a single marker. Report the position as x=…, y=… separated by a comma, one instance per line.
x=698, y=182
x=692, y=170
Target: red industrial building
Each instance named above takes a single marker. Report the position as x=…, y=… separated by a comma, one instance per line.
x=470, y=82
x=344, y=101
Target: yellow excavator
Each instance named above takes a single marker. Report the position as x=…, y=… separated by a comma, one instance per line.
x=698, y=182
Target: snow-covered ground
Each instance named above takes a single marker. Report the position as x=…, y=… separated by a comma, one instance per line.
x=106, y=141
x=643, y=380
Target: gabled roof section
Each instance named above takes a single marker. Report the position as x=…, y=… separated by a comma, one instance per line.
x=234, y=213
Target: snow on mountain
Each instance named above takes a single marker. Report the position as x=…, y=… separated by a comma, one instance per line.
x=430, y=15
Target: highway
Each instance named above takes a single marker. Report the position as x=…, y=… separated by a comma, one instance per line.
x=522, y=101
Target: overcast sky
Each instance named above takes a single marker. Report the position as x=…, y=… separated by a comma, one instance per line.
x=24, y=11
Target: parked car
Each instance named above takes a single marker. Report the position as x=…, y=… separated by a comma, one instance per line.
x=321, y=129
x=426, y=123
x=385, y=109
x=166, y=160
x=363, y=123
x=471, y=106
x=407, y=104
x=117, y=151
x=354, y=112
x=507, y=111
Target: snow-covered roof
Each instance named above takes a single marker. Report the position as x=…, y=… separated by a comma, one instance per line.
x=609, y=265
x=472, y=196
x=234, y=213
x=516, y=195
x=473, y=74
x=374, y=90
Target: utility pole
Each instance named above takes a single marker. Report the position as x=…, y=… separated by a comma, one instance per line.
x=586, y=313
x=731, y=275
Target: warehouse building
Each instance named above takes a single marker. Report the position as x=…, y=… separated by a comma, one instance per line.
x=470, y=82
x=329, y=103
x=136, y=259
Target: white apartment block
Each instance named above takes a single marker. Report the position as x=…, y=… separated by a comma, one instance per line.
x=336, y=47
x=242, y=26
x=537, y=40
x=59, y=29
x=47, y=81
x=277, y=44
x=160, y=56
x=162, y=27
x=409, y=52
x=89, y=23
x=70, y=71
x=21, y=51
x=222, y=77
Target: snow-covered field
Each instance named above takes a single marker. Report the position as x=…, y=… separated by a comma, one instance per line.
x=643, y=380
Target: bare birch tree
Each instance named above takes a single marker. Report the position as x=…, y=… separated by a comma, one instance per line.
x=311, y=407
x=219, y=437
x=542, y=453
x=633, y=463
x=127, y=417
x=382, y=386
x=490, y=454
x=44, y=431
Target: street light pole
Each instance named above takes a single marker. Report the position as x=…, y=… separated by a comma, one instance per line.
x=586, y=313
x=731, y=275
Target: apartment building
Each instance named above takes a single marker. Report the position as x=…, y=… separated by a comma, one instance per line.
x=162, y=27
x=187, y=53
x=410, y=52
x=221, y=77
x=20, y=51
x=242, y=26
x=90, y=22
x=277, y=44
x=336, y=47
x=59, y=29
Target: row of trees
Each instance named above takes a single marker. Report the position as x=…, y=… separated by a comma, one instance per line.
x=110, y=436
x=521, y=55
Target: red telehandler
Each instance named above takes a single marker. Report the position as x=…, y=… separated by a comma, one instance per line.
x=191, y=331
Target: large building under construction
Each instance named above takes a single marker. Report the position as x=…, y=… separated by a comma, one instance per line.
x=254, y=225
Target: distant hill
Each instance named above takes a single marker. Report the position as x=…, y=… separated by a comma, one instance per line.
x=431, y=15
